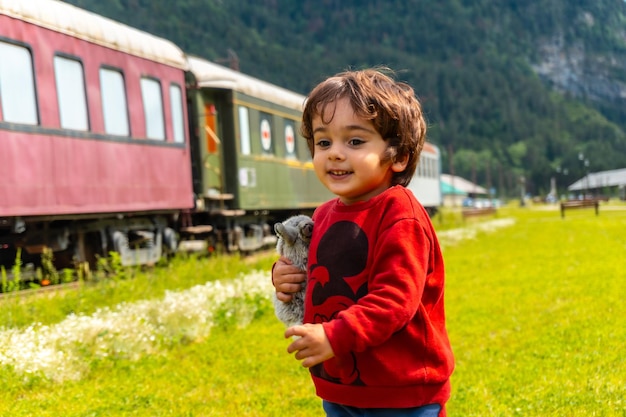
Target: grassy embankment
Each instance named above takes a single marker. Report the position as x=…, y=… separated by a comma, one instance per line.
x=535, y=315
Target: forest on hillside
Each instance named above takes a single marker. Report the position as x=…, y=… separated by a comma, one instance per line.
x=470, y=62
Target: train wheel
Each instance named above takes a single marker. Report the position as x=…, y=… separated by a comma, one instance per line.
x=170, y=241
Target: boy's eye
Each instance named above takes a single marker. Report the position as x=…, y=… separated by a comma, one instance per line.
x=322, y=143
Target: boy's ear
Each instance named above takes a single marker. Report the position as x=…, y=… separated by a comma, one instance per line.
x=399, y=164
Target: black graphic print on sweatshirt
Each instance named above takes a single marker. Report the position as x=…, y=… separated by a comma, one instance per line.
x=341, y=255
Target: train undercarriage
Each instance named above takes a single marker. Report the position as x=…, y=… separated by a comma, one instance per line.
x=137, y=239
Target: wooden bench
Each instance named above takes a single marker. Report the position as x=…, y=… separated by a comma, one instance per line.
x=587, y=203
x=474, y=212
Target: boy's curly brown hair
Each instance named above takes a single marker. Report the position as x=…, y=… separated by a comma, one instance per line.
x=391, y=105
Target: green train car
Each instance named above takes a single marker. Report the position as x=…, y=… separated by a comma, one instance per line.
x=250, y=165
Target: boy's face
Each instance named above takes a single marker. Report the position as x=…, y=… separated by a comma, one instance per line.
x=348, y=154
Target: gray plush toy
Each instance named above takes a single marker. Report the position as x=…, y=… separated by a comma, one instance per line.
x=294, y=236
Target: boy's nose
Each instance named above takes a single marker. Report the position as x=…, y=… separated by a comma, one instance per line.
x=335, y=152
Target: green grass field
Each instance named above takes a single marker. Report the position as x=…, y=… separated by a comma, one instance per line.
x=535, y=311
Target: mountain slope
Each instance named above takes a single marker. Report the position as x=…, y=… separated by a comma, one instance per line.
x=509, y=89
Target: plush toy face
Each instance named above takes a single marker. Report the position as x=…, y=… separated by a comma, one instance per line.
x=294, y=236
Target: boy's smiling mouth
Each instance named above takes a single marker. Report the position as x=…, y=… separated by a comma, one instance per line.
x=339, y=173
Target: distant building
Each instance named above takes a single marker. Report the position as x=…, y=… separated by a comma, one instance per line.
x=456, y=189
x=610, y=183
x=452, y=196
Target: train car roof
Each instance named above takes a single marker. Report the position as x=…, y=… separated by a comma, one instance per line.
x=209, y=74
x=73, y=21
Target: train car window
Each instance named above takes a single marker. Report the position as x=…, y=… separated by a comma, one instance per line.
x=266, y=134
x=290, y=140
x=210, y=128
x=176, y=104
x=301, y=147
x=153, y=108
x=70, y=83
x=114, y=107
x=17, y=86
x=244, y=130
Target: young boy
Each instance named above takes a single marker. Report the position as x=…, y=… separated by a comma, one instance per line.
x=374, y=336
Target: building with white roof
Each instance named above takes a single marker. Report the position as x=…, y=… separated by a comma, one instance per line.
x=603, y=182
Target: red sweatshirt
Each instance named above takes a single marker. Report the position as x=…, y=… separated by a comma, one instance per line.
x=376, y=281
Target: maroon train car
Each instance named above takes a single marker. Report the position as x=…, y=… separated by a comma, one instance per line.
x=94, y=148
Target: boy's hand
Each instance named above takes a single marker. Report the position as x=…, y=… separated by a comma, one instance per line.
x=312, y=346
x=287, y=279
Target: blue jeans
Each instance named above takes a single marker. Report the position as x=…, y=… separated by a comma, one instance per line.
x=338, y=410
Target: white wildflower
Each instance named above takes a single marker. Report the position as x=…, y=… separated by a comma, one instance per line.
x=129, y=330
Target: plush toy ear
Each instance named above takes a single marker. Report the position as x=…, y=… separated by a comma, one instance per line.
x=283, y=233
x=279, y=228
